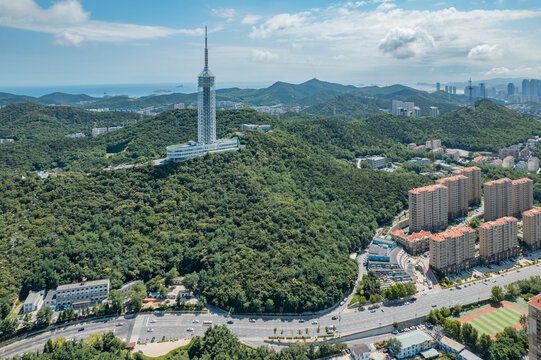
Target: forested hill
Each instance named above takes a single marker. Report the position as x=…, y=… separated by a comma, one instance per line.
x=488, y=126
x=267, y=228
x=137, y=142
x=28, y=121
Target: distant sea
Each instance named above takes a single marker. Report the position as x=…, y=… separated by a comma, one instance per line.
x=131, y=90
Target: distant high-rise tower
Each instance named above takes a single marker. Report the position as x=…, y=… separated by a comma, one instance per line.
x=206, y=104
x=510, y=89
x=470, y=90
x=482, y=91
x=454, y=90
x=446, y=88
x=525, y=87
x=438, y=86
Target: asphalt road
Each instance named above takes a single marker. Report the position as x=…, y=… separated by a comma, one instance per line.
x=175, y=325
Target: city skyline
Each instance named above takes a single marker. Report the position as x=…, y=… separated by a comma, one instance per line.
x=362, y=42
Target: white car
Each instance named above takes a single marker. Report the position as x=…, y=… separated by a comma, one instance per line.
x=150, y=330
x=195, y=321
x=189, y=329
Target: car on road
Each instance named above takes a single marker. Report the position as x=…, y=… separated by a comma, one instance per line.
x=373, y=310
x=342, y=302
x=150, y=330
x=230, y=321
x=81, y=329
x=195, y=321
x=152, y=321
x=153, y=338
x=163, y=338
x=382, y=310
x=120, y=324
x=434, y=305
x=335, y=317
x=189, y=329
x=139, y=340
x=314, y=322
x=302, y=320
x=395, y=332
x=252, y=320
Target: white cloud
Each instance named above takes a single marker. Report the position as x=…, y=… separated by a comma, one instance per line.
x=71, y=25
x=250, y=19
x=404, y=43
x=264, y=55
x=385, y=6
x=498, y=71
x=354, y=5
x=485, y=52
x=227, y=14
x=279, y=23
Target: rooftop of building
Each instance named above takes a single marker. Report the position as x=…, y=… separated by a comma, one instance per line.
x=430, y=353
x=522, y=181
x=535, y=302
x=32, y=297
x=459, y=231
x=535, y=158
x=476, y=160
x=414, y=236
x=51, y=294
x=452, y=151
x=452, y=344
x=499, y=181
x=451, y=178
x=360, y=348
x=468, y=355
x=467, y=169
x=532, y=211
x=375, y=158
x=413, y=338
x=498, y=222
x=379, y=250
x=508, y=158
x=427, y=188
x=83, y=283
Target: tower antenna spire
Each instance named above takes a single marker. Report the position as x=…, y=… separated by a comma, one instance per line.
x=206, y=51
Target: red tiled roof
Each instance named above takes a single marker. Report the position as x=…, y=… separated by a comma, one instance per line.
x=532, y=212
x=467, y=169
x=451, y=178
x=499, y=181
x=509, y=158
x=498, y=222
x=427, y=188
x=522, y=181
x=415, y=236
x=536, y=301
x=452, y=233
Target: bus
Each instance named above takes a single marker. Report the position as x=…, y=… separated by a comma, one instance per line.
x=207, y=322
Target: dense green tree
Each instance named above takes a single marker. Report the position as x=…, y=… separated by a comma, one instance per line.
x=496, y=294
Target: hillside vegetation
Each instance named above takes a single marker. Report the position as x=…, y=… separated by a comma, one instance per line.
x=267, y=228
x=28, y=122
x=137, y=142
x=487, y=127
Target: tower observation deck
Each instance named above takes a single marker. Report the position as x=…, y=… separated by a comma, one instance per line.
x=206, y=121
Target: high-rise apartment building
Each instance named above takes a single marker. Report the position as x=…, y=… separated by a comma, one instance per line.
x=534, y=328
x=457, y=195
x=473, y=174
x=433, y=111
x=522, y=196
x=452, y=250
x=428, y=209
x=498, y=199
x=498, y=239
x=510, y=89
x=531, y=228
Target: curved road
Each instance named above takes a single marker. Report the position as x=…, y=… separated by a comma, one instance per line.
x=253, y=332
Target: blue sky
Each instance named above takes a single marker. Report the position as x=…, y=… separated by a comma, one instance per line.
x=78, y=42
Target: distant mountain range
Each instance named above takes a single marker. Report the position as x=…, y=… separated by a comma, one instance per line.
x=313, y=93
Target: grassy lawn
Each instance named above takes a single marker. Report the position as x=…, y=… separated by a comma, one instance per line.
x=520, y=303
x=496, y=321
x=469, y=312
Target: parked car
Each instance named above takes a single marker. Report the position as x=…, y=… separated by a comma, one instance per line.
x=373, y=310
x=195, y=321
x=81, y=329
x=150, y=330
x=314, y=322
x=252, y=320
x=335, y=317
x=230, y=321
x=189, y=329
